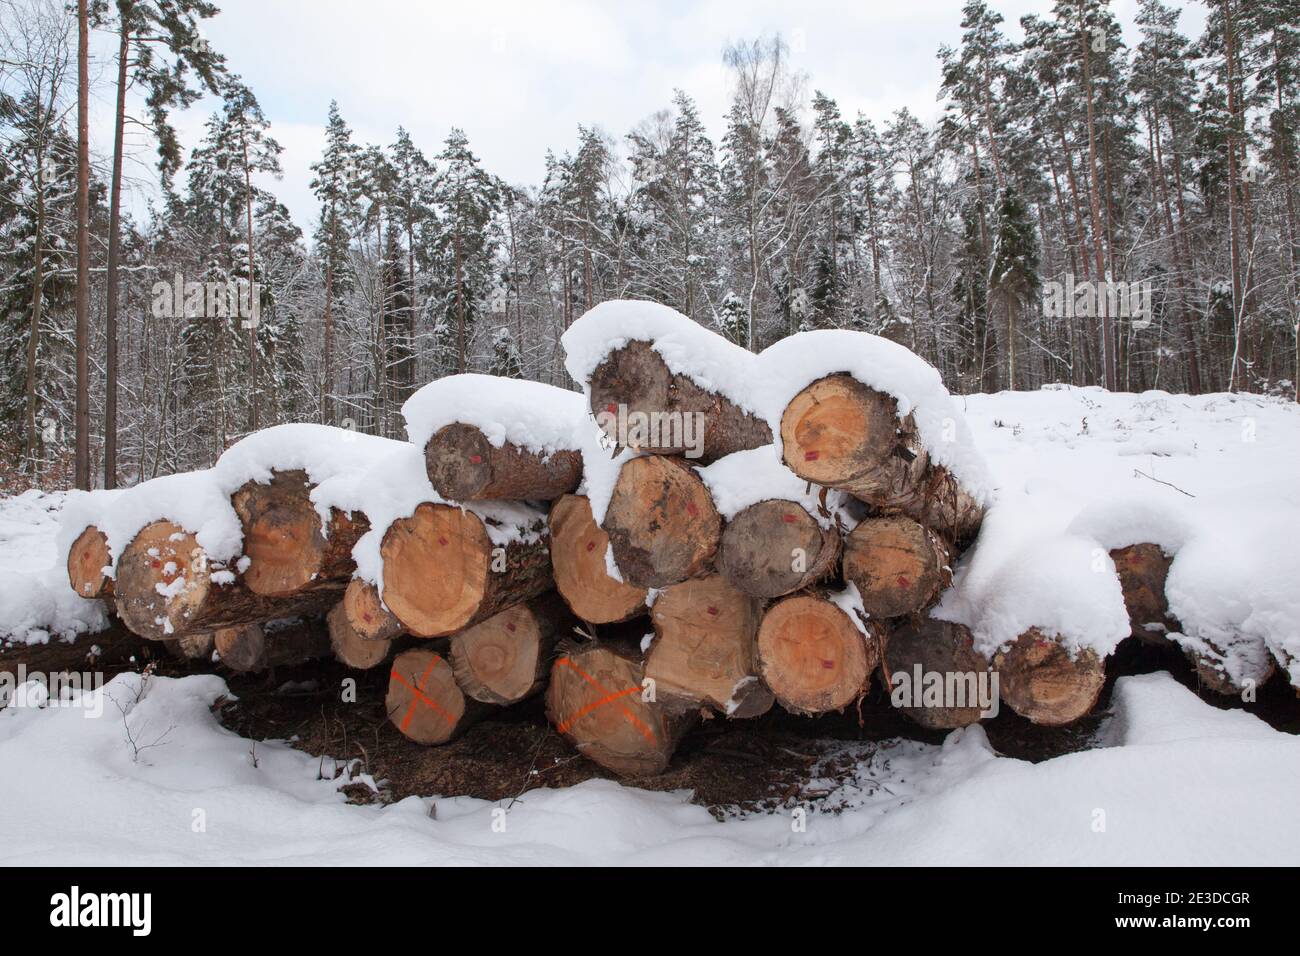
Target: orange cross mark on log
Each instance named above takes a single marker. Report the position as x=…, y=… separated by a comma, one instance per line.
x=609, y=698
x=420, y=697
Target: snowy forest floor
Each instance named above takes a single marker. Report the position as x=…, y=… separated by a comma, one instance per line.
x=278, y=769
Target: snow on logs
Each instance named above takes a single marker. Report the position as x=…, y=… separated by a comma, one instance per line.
x=445, y=567
x=840, y=433
x=166, y=586
x=578, y=549
x=601, y=701
x=496, y=438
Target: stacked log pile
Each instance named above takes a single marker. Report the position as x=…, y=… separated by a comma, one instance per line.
x=622, y=576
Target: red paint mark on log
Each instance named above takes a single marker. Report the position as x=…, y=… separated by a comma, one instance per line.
x=811, y=455
x=443, y=542
x=713, y=611
x=828, y=665
x=903, y=582
x=789, y=519
x=692, y=510
x=476, y=459
x=591, y=545
x=510, y=628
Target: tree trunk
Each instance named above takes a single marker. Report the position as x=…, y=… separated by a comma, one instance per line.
x=775, y=547
x=87, y=559
x=898, y=565
x=839, y=433
x=464, y=466
x=813, y=656
x=507, y=657
x=442, y=572
x=633, y=384
x=423, y=700
x=82, y=405
x=1039, y=680
x=288, y=552
x=246, y=648
x=114, y=250
x=578, y=549
x=918, y=647
x=166, y=588
x=661, y=522
x=704, y=647
x=598, y=700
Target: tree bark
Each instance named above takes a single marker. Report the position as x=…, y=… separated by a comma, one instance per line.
x=633, y=383
x=464, y=466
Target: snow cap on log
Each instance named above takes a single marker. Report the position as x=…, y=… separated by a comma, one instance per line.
x=787, y=367
x=531, y=415
x=199, y=501
x=1027, y=571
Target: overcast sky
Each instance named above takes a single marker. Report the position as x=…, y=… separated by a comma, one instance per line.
x=519, y=77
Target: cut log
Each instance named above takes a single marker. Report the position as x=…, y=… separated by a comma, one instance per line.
x=423, y=700
x=1041, y=682
x=597, y=699
x=246, y=648
x=578, y=548
x=367, y=614
x=898, y=565
x=442, y=573
x=193, y=647
x=87, y=559
x=661, y=522
x=916, y=649
x=776, y=547
x=704, y=649
x=839, y=433
x=286, y=549
x=1142, y=570
x=641, y=404
x=351, y=648
x=464, y=466
x=507, y=657
x=1229, y=667
x=813, y=656
x=165, y=588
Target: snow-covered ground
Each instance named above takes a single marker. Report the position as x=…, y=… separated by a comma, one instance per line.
x=1171, y=780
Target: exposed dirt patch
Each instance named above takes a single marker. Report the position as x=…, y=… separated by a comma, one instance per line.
x=774, y=761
